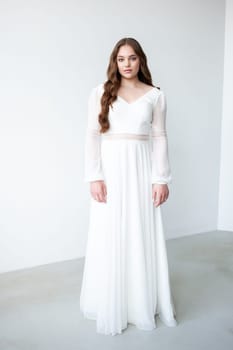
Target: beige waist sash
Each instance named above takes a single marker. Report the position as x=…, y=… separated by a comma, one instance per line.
x=125, y=136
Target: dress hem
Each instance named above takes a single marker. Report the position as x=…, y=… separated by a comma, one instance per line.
x=170, y=323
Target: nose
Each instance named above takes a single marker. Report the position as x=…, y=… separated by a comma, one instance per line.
x=127, y=63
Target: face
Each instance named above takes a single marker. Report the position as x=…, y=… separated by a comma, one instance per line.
x=127, y=59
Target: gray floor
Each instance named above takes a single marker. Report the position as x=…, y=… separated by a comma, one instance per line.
x=39, y=307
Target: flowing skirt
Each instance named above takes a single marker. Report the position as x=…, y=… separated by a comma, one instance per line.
x=126, y=273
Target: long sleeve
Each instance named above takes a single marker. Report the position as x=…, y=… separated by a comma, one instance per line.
x=161, y=171
x=92, y=164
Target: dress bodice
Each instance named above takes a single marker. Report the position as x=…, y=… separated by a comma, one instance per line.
x=132, y=117
x=144, y=116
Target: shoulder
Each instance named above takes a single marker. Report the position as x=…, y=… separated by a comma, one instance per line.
x=99, y=88
x=160, y=103
x=96, y=91
x=160, y=93
x=156, y=95
x=157, y=91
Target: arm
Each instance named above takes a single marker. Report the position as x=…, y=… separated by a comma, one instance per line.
x=93, y=168
x=161, y=172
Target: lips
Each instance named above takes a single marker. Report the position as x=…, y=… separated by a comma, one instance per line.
x=127, y=70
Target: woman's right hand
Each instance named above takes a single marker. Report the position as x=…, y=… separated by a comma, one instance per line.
x=98, y=190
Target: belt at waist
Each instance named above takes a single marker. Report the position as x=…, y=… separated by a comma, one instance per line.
x=125, y=136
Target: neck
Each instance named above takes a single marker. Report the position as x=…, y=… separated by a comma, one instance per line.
x=130, y=83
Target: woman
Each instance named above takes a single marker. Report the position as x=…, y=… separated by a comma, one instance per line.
x=126, y=275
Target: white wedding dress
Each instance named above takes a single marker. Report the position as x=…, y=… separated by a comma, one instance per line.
x=126, y=274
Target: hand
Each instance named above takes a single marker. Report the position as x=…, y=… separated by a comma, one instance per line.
x=160, y=193
x=98, y=190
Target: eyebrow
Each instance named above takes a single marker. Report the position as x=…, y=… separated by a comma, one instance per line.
x=128, y=56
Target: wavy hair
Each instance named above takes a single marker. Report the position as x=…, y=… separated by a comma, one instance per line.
x=113, y=82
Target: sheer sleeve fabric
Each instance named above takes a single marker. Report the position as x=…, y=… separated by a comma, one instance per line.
x=161, y=171
x=92, y=164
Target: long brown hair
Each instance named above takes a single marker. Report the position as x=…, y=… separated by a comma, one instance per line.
x=113, y=81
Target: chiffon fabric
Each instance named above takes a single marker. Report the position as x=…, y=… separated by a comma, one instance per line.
x=126, y=274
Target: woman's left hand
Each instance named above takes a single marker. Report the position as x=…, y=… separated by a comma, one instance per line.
x=160, y=193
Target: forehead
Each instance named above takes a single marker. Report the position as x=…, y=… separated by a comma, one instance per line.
x=126, y=50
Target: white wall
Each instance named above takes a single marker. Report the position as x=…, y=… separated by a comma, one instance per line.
x=225, y=218
x=52, y=53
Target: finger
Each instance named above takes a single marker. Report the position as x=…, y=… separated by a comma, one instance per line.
x=153, y=193
x=163, y=200
x=102, y=196
x=158, y=200
x=155, y=196
x=98, y=197
x=93, y=194
x=105, y=193
x=102, y=199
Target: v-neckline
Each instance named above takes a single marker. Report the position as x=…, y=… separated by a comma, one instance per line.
x=139, y=98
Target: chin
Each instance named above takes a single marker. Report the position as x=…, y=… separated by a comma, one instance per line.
x=131, y=75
